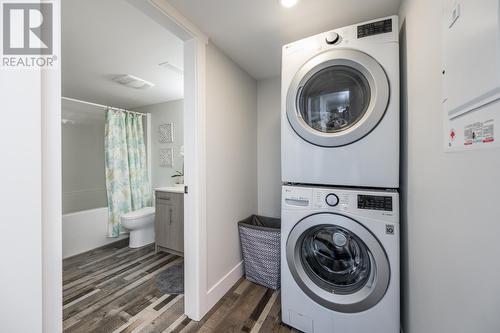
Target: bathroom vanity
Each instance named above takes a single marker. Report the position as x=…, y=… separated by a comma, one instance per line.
x=169, y=220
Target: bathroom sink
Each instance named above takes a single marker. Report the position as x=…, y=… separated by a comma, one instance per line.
x=171, y=189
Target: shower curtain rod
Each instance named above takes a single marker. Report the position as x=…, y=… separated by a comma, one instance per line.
x=101, y=105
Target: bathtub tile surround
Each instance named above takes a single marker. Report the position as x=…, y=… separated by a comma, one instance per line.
x=83, y=178
x=114, y=289
x=127, y=180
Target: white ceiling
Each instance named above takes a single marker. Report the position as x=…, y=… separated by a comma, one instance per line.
x=252, y=32
x=104, y=39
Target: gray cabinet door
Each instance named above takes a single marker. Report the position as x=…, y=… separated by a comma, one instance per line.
x=175, y=237
x=161, y=223
x=169, y=222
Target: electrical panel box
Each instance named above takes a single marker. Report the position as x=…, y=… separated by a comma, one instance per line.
x=471, y=73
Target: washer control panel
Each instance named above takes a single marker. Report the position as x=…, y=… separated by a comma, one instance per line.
x=367, y=203
x=326, y=198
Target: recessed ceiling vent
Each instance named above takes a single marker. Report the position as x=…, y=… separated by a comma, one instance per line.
x=133, y=82
x=171, y=67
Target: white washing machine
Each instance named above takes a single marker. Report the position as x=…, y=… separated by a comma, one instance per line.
x=340, y=107
x=340, y=260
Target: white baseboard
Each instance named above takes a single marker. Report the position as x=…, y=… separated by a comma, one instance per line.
x=218, y=290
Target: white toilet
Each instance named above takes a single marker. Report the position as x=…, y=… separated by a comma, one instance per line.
x=141, y=225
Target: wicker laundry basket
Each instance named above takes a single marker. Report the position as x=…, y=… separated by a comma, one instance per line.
x=260, y=245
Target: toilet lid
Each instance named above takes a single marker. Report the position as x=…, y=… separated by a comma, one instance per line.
x=139, y=213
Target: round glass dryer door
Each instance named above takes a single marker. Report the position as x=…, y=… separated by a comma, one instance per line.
x=338, y=262
x=337, y=98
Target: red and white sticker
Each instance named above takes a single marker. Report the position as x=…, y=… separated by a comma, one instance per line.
x=479, y=132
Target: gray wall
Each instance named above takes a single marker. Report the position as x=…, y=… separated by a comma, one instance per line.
x=269, y=146
x=83, y=170
x=231, y=150
x=169, y=112
x=451, y=270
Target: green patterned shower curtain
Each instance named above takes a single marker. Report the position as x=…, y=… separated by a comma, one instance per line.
x=127, y=181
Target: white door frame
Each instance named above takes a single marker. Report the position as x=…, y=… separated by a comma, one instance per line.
x=195, y=239
x=52, y=188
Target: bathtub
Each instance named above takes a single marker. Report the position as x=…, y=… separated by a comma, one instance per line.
x=85, y=230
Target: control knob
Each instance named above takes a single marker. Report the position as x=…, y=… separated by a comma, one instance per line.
x=332, y=37
x=332, y=200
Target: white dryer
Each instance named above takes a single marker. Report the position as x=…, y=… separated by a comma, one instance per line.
x=340, y=107
x=340, y=260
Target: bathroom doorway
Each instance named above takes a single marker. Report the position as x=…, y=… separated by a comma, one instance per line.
x=84, y=205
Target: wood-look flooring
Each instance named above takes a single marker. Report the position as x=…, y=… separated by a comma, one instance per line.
x=113, y=289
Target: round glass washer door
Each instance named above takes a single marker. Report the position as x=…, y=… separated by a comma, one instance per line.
x=337, y=262
x=337, y=98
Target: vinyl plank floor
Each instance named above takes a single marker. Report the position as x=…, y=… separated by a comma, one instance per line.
x=113, y=289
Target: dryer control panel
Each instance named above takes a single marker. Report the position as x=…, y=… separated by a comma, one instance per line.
x=374, y=28
x=375, y=202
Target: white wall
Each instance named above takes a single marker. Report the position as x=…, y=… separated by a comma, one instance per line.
x=21, y=201
x=451, y=270
x=231, y=169
x=269, y=146
x=169, y=112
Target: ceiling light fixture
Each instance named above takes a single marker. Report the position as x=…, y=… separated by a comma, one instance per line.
x=133, y=82
x=288, y=3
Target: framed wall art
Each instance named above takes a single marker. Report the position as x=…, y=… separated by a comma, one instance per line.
x=166, y=133
x=166, y=157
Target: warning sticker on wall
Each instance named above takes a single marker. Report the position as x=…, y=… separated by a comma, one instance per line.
x=479, y=132
x=474, y=129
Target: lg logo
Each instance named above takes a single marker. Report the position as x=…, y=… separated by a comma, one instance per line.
x=27, y=29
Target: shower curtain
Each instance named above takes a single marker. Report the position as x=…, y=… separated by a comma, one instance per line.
x=127, y=181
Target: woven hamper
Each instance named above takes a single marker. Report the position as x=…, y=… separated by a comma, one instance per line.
x=260, y=245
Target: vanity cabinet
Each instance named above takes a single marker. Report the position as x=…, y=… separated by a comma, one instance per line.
x=169, y=222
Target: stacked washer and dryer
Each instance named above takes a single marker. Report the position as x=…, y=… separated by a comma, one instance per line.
x=340, y=172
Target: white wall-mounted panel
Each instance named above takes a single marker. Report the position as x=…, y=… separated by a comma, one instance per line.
x=471, y=73
x=471, y=54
